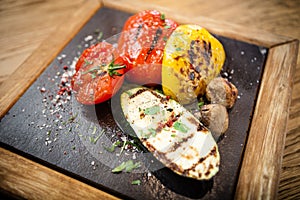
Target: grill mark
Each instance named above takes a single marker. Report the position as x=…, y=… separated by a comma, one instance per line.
x=201, y=160
x=173, y=166
x=138, y=31
x=177, y=145
x=158, y=33
x=140, y=91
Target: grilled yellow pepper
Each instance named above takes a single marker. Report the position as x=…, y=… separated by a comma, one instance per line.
x=192, y=58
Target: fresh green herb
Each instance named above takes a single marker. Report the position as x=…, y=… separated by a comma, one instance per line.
x=173, y=135
x=87, y=62
x=91, y=70
x=94, y=130
x=113, y=146
x=136, y=182
x=112, y=69
x=99, y=37
x=72, y=118
x=152, y=110
x=48, y=132
x=128, y=93
x=167, y=27
x=180, y=127
x=123, y=147
x=127, y=166
x=201, y=103
x=162, y=16
x=94, y=140
x=165, y=38
x=178, y=49
x=152, y=131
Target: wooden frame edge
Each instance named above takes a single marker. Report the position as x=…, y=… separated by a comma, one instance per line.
x=280, y=48
x=233, y=31
x=19, y=81
x=260, y=170
x=31, y=180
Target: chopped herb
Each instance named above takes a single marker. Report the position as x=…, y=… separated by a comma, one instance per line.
x=180, y=127
x=112, y=67
x=128, y=93
x=94, y=130
x=167, y=27
x=165, y=38
x=136, y=182
x=173, y=135
x=49, y=132
x=178, y=49
x=162, y=16
x=87, y=62
x=201, y=103
x=127, y=166
x=152, y=110
x=123, y=146
x=91, y=70
x=113, y=146
x=72, y=118
x=152, y=131
x=99, y=37
x=94, y=140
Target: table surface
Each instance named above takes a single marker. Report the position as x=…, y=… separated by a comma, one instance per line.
x=24, y=25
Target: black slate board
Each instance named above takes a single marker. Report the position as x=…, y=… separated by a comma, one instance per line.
x=62, y=139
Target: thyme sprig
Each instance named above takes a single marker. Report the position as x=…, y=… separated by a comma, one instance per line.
x=112, y=69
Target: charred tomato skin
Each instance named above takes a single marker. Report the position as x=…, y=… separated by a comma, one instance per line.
x=92, y=82
x=141, y=45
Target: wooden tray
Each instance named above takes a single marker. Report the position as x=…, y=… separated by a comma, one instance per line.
x=266, y=121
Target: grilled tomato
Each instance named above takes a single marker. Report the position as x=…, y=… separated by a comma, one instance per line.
x=99, y=74
x=192, y=58
x=141, y=45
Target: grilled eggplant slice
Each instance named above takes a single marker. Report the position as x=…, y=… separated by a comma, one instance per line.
x=171, y=133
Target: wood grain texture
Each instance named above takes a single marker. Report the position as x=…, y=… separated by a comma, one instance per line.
x=26, y=177
x=227, y=29
x=24, y=25
x=262, y=158
x=36, y=63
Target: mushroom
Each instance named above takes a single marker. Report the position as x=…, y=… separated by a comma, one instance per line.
x=221, y=91
x=215, y=118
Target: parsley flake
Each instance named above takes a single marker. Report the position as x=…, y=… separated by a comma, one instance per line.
x=180, y=127
x=152, y=110
x=127, y=166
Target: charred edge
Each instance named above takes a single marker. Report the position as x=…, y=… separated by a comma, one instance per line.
x=210, y=168
x=200, y=127
x=161, y=98
x=138, y=31
x=177, y=145
x=213, y=152
x=140, y=91
x=202, y=47
x=158, y=33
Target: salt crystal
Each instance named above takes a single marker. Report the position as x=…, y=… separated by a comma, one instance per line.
x=88, y=38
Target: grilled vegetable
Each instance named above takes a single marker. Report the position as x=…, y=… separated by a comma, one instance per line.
x=221, y=91
x=215, y=117
x=141, y=45
x=174, y=136
x=98, y=74
x=192, y=58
